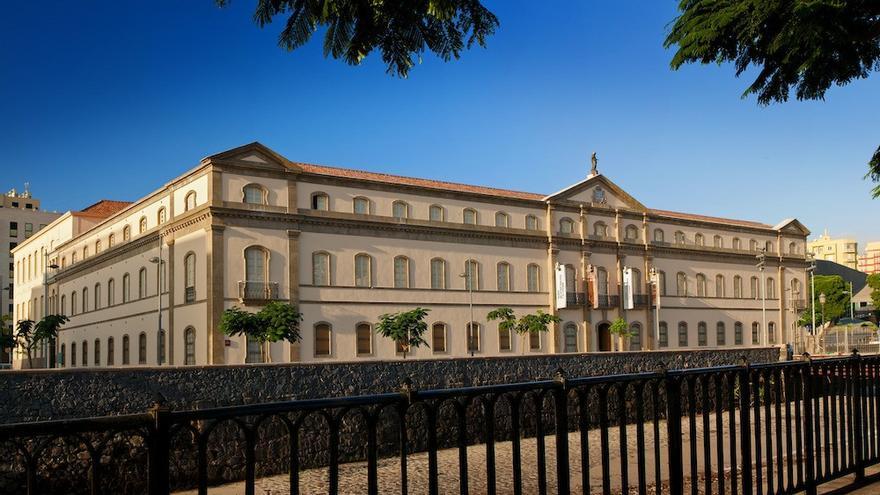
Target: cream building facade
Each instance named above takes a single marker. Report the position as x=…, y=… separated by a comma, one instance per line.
x=247, y=226
x=870, y=261
x=843, y=251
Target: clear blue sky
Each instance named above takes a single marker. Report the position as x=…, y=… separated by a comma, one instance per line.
x=105, y=99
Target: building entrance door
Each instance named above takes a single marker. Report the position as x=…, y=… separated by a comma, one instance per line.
x=604, y=330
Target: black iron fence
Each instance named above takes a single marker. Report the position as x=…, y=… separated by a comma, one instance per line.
x=765, y=428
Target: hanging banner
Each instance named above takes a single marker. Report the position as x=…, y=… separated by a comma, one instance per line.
x=561, y=289
x=628, y=288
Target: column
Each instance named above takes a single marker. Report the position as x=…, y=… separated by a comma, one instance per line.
x=216, y=290
x=293, y=284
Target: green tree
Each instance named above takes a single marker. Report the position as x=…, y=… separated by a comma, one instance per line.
x=536, y=323
x=406, y=328
x=620, y=328
x=400, y=31
x=874, y=284
x=29, y=335
x=836, y=300
x=277, y=321
x=801, y=45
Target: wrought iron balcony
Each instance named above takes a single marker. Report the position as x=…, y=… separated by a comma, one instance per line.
x=575, y=298
x=608, y=301
x=258, y=291
x=641, y=300
x=189, y=294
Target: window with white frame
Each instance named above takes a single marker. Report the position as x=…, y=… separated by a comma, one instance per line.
x=401, y=272
x=363, y=270
x=438, y=273
x=503, y=270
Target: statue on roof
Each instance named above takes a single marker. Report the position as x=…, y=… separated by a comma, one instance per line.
x=594, y=170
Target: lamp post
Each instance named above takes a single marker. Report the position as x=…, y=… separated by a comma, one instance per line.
x=851, y=315
x=762, y=256
x=159, y=262
x=50, y=363
x=468, y=277
x=812, y=271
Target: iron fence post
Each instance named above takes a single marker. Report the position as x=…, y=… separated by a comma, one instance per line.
x=560, y=394
x=809, y=426
x=858, y=426
x=159, y=478
x=673, y=430
x=745, y=430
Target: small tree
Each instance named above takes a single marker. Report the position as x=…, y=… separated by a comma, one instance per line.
x=620, y=328
x=30, y=335
x=535, y=322
x=275, y=322
x=405, y=328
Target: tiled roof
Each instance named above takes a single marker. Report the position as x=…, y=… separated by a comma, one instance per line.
x=105, y=208
x=704, y=218
x=412, y=181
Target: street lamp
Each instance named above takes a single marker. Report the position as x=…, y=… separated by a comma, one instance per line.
x=812, y=271
x=159, y=262
x=468, y=278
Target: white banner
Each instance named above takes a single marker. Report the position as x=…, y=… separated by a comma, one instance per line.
x=561, y=289
x=628, y=288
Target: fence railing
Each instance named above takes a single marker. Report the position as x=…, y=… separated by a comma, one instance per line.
x=258, y=291
x=765, y=428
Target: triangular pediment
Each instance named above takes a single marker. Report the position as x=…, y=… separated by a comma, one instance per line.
x=253, y=155
x=792, y=226
x=597, y=190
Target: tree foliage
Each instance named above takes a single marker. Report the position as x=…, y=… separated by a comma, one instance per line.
x=836, y=300
x=803, y=45
x=874, y=284
x=277, y=321
x=29, y=335
x=537, y=322
x=620, y=328
x=400, y=30
x=406, y=328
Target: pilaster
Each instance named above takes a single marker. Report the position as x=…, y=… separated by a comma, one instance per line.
x=215, y=258
x=170, y=290
x=293, y=283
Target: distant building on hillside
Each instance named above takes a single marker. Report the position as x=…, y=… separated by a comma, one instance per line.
x=870, y=261
x=841, y=251
x=20, y=218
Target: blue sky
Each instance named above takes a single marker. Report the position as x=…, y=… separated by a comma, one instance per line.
x=105, y=100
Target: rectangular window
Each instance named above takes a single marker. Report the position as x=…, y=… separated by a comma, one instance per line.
x=438, y=274
x=504, y=340
x=28, y=230
x=664, y=334
x=13, y=229
x=473, y=337
x=534, y=341
x=435, y=213
x=438, y=337
x=401, y=273
x=362, y=206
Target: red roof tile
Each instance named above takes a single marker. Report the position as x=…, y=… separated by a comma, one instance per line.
x=105, y=208
x=704, y=218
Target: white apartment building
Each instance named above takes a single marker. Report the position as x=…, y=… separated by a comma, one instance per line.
x=247, y=226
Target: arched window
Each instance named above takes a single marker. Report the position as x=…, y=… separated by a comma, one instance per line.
x=189, y=346
x=570, y=338
x=126, y=233
x=503, y=271
x=566, y=226
x=321, y=268
x=756, y=333
x=473, y=336
x=755, y=288
x=768, y=246
x=679, y=237
x=737, y=287
x=635, y=337
x=64, y=305
x=126, y=345
x=664, y=334
x=142, y=225
x=719, y=286
x=73, y=354
x=795, y=288
x=189, y=201
x=322, y=339
x=400, y=209
x=85, y=353
x=364, y=338
x=792, y=248
x=254, y=194
x=254, y=350
x=160, y=347
x=437, y=213
x=771, y=333
x=111, y=293
x=61, y=357
x=699, y=240
x=363, y=270
x=438, y=273
x=98, y=246
x=85, y=255
x=681, y=284
x=502, y=219
x=97, y=297
x=602, y=285
x=534, y=276
x=142, y=348
x=753, y=245
x=471, y=275
x=720, y=334
x=737, y=243
x=659, y=236
x=189, y=277
x=661, y=281
x=469, y=216
x=401, y=272
x=631, y=233
x=126, y=288
x=111, y=351
x=737, y=333
x=701, y=285
x=97, y=352
x=534, y=341
x=637, y=281
x=438, y=337
x=682, y=334
x=360, y=205
x=256, y=266
x=570, y=278
x=702, y=337
x=142, y=283
x=531, y=222
x=85, y=299
x=600, y=229
x=771, y=288
x=320, y=201
x=718, y=241
x=160, y=216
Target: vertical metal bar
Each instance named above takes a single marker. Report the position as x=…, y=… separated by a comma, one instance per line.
x=515, y=443
x=836, y=418
x=809, y=427
x=731, y=421
x=745, y=435
x=624, y=457
x=825, y=391
x=603, y=431
x=563, y=475
x=489, y=419
x=655, y=408
x=461, y=410
x=94, y=472
x=707, y=433
x=404, y=450
x=780, y=469
x=539, y=440
x=858, y=430
x=692, y=432
x=433, y=482
x=203, y=465
x=159, y=446
x=756, y=391
x=31, y=469
x=719, y=428
x=800, y=434
x=875, y=391
x=768, y=432
x=250, y=461
x=640, y=436
x=673, y=426
x=372, y=453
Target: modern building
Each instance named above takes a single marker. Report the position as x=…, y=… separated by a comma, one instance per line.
x=20, y=218
x=841, y=251
x=870, y=261
x=248, y=226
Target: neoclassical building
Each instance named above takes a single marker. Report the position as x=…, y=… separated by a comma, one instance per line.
x=248, y=226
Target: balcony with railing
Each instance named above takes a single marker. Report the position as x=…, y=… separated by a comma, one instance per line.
x=641, y=300
x=607, y=301
x=575, y=298
x=257, y=291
